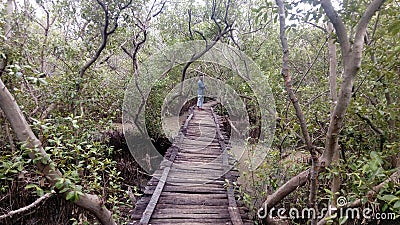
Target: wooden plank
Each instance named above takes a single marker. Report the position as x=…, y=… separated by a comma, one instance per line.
x=192, y=221
x=154, y=199
x=235, y=216
x=193, y=195
x=182, y=215
x=189, y=201
x=233, y=210
x=193, y=190
x=190, y=189
x=157, y=192
x=194, y=181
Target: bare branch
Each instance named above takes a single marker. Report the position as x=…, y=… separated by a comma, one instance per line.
x=102, y=45
x=316, y=26
x=105, y=33
x=215, y=39
x=138, y=46
x=332, y=65
x=202, y=35
x=126, y=51
x=312, y=64
x=190, y=23
x=213, y=16
x=262, y=27
x=227, y=6
x=351, y=58
x=375, y=26
x=117, y=17
x=160, y=10
x=287, y=78
x=361, y=28
x=28, y=207
x=370, y=123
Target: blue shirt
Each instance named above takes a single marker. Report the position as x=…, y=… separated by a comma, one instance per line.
x=201, y=87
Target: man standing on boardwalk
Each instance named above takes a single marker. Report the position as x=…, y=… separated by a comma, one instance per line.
x=200, y=92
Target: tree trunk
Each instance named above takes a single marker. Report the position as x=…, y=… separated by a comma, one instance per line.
x=7, y=30
x=351, y=58
x=25, y=135
x=332, y=65
x=9, y=13
x=312, y=202
x=335, y=186
x=336, y=182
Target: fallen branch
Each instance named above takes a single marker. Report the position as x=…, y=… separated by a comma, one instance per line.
x=284, y=190
x=395, y=177
x=28, y=207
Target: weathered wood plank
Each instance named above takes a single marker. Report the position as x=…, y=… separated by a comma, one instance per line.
x=191, y=189
x=190, y=216
x=154, y=199
x=192, y=221
x=233, y=210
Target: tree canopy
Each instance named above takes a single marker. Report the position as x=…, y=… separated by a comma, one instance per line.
x=333, y=68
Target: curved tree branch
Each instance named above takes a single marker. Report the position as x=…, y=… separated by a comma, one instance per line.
x=337, y=22
x=46, y=166
x=28, y=207
x=104, y=34
x=214, y=40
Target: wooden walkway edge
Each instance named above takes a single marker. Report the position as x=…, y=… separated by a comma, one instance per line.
x=190, y=186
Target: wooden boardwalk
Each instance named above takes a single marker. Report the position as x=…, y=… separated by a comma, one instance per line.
x=191, y=187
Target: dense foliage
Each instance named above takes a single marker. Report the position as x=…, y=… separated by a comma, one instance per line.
x=67, y=68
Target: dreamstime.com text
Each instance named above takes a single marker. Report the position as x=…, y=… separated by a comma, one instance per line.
x=341, y=212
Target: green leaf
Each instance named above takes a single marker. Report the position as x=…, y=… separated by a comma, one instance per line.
x=265, y=17
x=397, y=204
x=60, y=183
x=43, y=81
x=39, y=191
x=395, y=27
x=30, y=186
x=70, y=195
x=385, y=207
x=64, y=190
x=328, y=191
x=389, y=198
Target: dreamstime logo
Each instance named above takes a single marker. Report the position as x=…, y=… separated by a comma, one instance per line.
x=241, y=69
x=341, y=201
x=341, y=212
